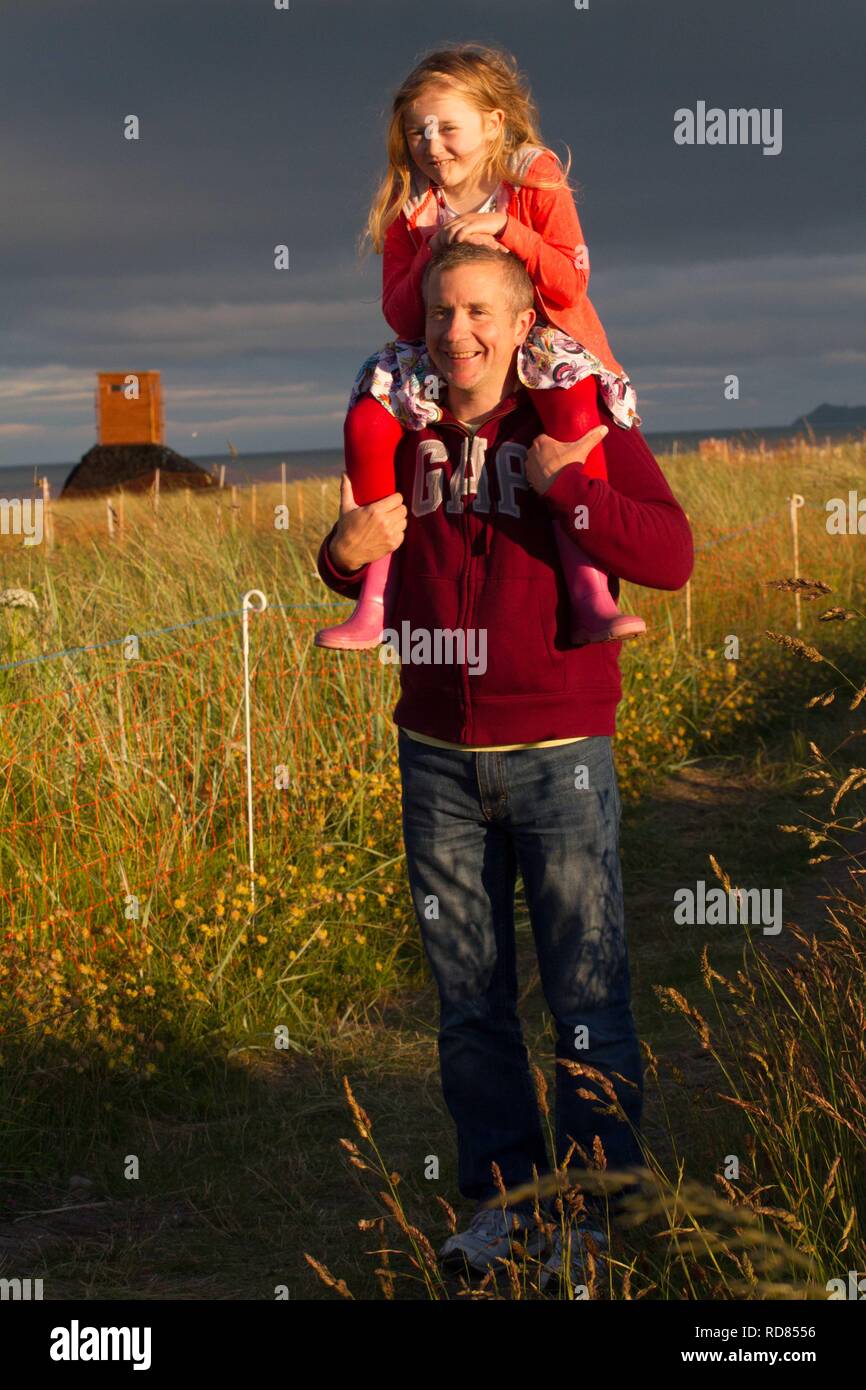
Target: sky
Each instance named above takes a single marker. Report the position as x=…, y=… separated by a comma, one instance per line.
x=261, y=127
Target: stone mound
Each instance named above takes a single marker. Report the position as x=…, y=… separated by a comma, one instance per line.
x=109, y=467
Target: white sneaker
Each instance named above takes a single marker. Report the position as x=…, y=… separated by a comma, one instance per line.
x=489, y=1238
x=575, y=1245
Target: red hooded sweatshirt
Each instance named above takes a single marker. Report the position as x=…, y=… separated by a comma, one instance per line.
x=480, y=556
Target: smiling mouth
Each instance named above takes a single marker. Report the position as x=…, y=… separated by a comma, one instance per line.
x=462, y=356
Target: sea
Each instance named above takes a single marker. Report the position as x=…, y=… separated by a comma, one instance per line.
x=19, y=480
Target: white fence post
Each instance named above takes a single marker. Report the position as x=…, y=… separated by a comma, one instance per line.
x=796, y=503
x=47, y=514
x=255, y=607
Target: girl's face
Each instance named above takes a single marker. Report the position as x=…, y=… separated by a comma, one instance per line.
x=448, y=136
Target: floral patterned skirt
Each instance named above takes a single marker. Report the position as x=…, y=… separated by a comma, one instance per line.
x=402, y=377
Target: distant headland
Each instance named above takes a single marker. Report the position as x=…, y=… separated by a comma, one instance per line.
x=833, y=417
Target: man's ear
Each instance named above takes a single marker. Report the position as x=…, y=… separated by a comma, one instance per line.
x=522, y=325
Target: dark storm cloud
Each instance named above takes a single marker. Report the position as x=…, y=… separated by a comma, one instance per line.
x=260, y=126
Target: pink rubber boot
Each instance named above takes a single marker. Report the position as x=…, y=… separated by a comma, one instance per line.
x=594, y=614
x=364, y=627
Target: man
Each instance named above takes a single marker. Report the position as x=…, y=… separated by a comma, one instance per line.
x=507, y=764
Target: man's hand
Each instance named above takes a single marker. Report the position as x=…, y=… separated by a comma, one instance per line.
x=365, y=534
x=548, y=456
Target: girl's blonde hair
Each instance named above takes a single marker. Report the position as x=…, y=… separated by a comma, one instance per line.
x=491, y=80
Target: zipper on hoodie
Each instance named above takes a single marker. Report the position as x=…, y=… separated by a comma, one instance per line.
x=470, y=434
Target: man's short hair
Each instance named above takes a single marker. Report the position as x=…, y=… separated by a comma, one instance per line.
x=519, y=285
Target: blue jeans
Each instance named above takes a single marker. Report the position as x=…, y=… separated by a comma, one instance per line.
x=470, y=820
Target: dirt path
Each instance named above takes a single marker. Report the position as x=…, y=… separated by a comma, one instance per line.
x=230, y=1199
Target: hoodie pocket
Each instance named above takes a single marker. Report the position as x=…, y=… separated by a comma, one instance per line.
x=521, y=659
x=423, y=617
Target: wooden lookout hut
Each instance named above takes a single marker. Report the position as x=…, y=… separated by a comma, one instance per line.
x=129, y=408
x=130, y=448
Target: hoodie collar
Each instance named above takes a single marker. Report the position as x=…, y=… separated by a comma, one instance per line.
x=509, y=403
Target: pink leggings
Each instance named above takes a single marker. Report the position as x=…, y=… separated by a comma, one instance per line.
x=372, y=434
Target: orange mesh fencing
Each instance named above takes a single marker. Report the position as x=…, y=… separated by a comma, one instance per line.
x=124, y=778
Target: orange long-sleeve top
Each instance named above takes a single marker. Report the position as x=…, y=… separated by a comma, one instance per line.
x=543, y=230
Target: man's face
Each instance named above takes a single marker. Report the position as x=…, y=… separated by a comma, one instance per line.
x=471, y=329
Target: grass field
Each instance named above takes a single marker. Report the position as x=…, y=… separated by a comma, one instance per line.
x=150, y=1010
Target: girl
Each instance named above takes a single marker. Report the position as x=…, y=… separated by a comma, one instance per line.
x=466, y=164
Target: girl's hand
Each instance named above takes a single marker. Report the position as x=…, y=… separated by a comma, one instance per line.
x=470, y=224
x=437, y=242
x=482, y=239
